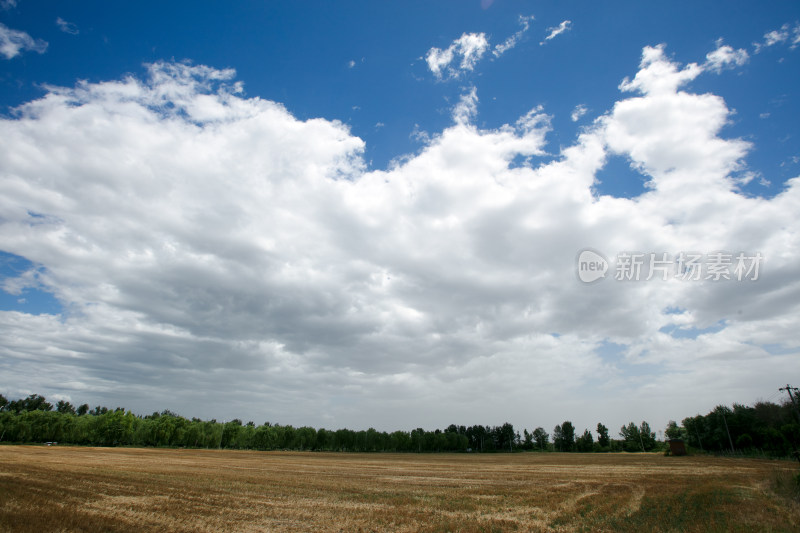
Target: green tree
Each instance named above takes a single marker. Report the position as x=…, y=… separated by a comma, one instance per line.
x=399, y=441
x=673, y=431
x=417, y=439
x=478, y=437
x=630, y=438
x=307, y=438
x=164, y=430
x=34, y=402
x=541, y=438
x=602, y=435
x=744, y=442
x=564, y=437
x=648, y=436
x=114, y=428
x=637, y=438
x=324, y=439
x=230, y=433
x=585, y=442
x=505, y=436
x=527, y=441
x=65, y=407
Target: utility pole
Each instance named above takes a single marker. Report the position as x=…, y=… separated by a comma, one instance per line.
x=728, y=432
x=789, y=389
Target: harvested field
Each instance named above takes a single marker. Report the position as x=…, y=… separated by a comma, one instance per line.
x=111, y=489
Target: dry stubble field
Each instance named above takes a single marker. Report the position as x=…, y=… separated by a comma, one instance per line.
x=111, y=489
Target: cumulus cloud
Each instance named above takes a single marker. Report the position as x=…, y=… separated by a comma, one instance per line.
x=557, y=30
x=657, y=75
x=459, y=57
x=14, y=42
x=725, y=57
x=512, y=41
x=213, y=250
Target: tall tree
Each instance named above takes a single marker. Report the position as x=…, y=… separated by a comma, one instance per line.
x=505, y=436
x=65, y=407
x=34, y=402
x=674, y=431
x=648, y=436
x=527, y=442
x=585, y=443
x=564, y=437
x=558, y=438
x=602, y=435
x=637, y=438
x=630, y=438
x=541, y=438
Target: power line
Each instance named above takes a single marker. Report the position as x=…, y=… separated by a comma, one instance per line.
x=773, y=395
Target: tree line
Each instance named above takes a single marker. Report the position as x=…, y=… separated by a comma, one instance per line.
x=766, y=427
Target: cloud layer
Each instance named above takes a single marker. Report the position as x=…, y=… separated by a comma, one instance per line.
x=218, y=256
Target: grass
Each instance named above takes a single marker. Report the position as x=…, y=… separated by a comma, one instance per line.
x=106, y=489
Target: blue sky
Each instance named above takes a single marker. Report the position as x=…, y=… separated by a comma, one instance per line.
x=351, y=211
x=300, y=55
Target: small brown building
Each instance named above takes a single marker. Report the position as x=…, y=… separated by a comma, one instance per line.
x=677, y=447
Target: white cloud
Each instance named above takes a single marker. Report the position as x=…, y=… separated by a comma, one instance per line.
x=557, y=30
x=725, y=57
x=784, y=34
x=469, y=48
x=512, y=41
x=353, y=63
x=13, y=42
x=657, y=75
x=220, y=257
x=466, y=108
x=776, y=36
x=67, y=27
x=419, y=135
x=463, y=54
x=579, y=111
